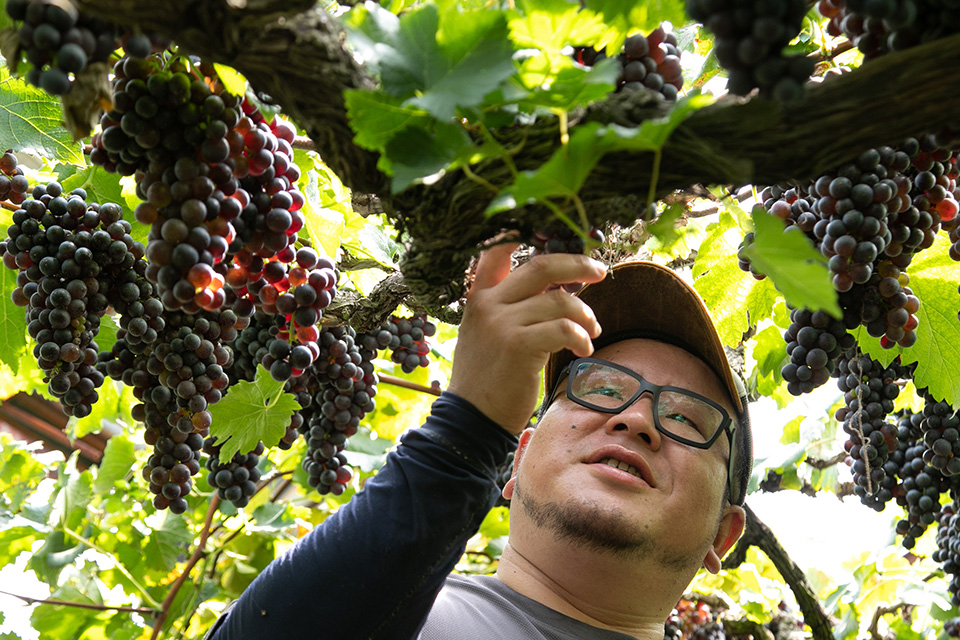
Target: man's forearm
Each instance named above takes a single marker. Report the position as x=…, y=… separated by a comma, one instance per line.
x=372, y=570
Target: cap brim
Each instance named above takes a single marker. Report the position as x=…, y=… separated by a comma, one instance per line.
x=644, y=299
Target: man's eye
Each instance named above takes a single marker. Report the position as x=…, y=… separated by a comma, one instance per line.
x=610, y=392
x=679, y=417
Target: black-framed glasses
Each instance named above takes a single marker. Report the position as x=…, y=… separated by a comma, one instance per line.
x=680, y=414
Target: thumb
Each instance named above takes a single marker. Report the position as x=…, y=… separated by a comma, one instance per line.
x=494, y=265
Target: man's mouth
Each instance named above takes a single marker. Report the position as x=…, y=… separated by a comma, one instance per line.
x=623, y=466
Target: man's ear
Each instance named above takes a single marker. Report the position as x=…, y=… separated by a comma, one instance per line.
x=731, y=528
x=525, y=436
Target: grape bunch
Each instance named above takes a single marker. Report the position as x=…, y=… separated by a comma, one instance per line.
x=58, y=42
x=869, y=392
x=922, y=484
x=162, y=111
x=880, y=27
x=72, y=259
x=884, y=305
x=406, y=338
x=289, y=301
x=814, y=342
x=235, y=480
x=948, y=554
x=952, y=626
x=651, y=62
x=647, y=62
x=940, y=428
x=559, y=238
x=13, y=184
x=749, y=43
x=347, y=385
x=693, y=620
x=175, y=378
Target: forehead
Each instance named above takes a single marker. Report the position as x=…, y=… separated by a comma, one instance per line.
x=666, y=364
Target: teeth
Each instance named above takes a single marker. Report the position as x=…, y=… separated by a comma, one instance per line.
x=623, y=466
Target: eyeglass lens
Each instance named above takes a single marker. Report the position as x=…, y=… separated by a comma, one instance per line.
x=678, y=412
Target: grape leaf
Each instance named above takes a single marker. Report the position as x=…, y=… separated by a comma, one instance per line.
x=788, y=258
x=376, y=117
x=118, y=460
x=639, y=16
x=233, y=81
x=551, y=25
x=252, y=412
x=13, y=327
x=479, y=57
x=934, y=279
x=323, y=224
x=404, y=50
x=769, y=353
x=575, y=86
x=736, y=300
x=167, y=543
x=30, y=121
x=418, y=154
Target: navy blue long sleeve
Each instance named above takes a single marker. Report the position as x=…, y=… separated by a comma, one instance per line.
x=373, y=569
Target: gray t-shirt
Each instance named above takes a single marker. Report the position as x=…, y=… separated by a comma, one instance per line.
x=483, y=608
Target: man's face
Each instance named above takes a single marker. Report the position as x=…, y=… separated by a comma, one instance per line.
x=567, y=487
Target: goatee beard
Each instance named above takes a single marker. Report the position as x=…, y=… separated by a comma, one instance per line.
x=606, y=530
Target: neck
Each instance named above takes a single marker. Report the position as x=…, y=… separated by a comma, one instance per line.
x=600, y=589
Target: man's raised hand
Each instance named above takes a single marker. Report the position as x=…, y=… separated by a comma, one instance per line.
x=511, y=325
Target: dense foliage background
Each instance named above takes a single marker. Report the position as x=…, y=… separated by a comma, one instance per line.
x=427, y=130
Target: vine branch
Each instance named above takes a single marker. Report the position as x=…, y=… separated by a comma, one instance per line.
x=759, y=535
x=81, y=605
x=198, y=553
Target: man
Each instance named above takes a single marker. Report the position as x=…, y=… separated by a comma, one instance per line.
x=632, y=480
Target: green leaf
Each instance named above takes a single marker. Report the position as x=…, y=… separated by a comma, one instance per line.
x=420, y=155
x=791, y=431
x=736, y=300
x=168, y=543
x=272, y=516
x=479, y=57
x=118, y=461
x=325, y=199
x=934, y=278
x=404, y=50
x=496, y=523
x=13, y=326
x=76, y=495
x=377, y=117
x=788, y=258
x=551, y=25
x=640, y=16
x=232, y=80
x=252, y=412
x=30, y=122
x=574, y=86
x=664, y=227
x=20, y=473
x=16, y=540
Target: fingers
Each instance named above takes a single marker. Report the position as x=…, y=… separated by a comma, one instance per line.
x=494, y=265
x=554, y=335
x=554, y=305
x=559, y=268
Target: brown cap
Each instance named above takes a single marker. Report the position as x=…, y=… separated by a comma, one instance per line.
x=646, y=300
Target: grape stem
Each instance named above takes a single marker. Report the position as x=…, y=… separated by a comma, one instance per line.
x=146, y=596
x=858, y=425
x=481, y=181
x=654, y=176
